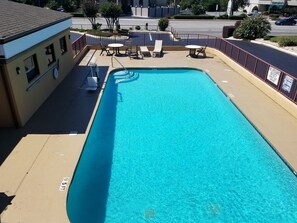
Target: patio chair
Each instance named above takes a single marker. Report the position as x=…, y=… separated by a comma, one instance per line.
x=104, y=49
x=144, y=51
x=133, y=52
x=158, y=50
x=202, y=51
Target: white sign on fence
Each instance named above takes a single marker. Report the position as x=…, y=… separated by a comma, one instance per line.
x=273, y=75
x=287, y=83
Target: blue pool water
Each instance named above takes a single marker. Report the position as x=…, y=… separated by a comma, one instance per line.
x=170, y=147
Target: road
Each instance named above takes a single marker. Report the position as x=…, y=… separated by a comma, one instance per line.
x=210, y=27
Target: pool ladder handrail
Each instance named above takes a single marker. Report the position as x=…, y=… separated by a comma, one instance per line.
x=112, y=58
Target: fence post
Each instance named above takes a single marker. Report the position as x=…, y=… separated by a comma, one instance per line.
x=255, y=67
x=245, y=61
x=280, y=80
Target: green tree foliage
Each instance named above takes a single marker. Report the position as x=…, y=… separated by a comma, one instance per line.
x=111, y=12
x=252, y=28
x=52, y=4
x=68, y=5
x=198, y=9
x=91, y=9
x=163, y=24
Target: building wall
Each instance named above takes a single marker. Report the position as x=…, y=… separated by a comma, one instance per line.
x=154, y=12
x=292, y=2
x=6, y=117
x=263, y=5
x=28, y=96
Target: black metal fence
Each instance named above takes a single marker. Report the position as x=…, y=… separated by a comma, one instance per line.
x=78, y=45
x=281, y=81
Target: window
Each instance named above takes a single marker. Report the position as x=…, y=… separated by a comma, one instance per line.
x=63, y=45
x=31, y=67
x=50, y=54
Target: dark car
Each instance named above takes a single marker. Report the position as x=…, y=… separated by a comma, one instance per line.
x=286, y=21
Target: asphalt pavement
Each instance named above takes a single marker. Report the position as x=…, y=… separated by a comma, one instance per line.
x=279, y=59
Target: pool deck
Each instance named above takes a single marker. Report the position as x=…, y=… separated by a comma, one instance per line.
x=32, y=174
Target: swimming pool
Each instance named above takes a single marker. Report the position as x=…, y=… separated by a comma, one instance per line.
x=169, y=146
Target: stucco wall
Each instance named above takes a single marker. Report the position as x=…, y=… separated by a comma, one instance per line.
x=27, y=97
x=6, y=118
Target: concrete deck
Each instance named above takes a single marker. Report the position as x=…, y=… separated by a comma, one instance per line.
x=45, y=153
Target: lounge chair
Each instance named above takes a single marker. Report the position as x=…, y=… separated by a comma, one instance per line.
x=158, y=50
x=144, y=51
x=104, y=49
x=202, y=51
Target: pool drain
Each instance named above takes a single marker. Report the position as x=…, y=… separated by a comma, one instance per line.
x=149, y=213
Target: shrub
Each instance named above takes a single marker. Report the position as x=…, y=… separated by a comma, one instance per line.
x=77, y=14
x=137, y=27
x=225, y=16
x=124, y=31
x=274, y=16
x=96, y=26
x=237, y=24
x=287, y=41
x=267, y=37
x=197, y=9
x=253, y=27
x=163, y=23
x=236, y=17
x=193, y=17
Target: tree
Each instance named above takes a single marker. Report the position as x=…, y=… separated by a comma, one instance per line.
x=91, y=10
x=111, y=12
x=252, y=28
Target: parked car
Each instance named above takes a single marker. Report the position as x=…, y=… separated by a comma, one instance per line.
x=60, y=9
x=286, y=21
x=254, y=13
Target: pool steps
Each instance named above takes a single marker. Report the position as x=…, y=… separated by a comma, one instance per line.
x=125, y=76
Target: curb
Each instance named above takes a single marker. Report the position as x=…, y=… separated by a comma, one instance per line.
x=275, y=47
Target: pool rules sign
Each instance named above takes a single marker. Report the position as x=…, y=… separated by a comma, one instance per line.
x=273, y=75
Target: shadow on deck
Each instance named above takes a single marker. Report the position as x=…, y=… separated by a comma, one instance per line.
x=69, y=108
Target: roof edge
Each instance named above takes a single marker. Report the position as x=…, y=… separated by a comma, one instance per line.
x=9, y=39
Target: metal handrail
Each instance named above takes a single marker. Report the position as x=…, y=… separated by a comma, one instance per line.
x=113, y=58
